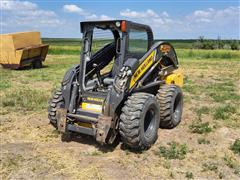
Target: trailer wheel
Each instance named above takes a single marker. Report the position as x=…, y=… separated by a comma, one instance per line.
x=139, y=121
x=170, y=98
x=54, y=103
x=37, y=64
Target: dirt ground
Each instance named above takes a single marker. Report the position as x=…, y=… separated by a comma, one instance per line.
x=32, y=149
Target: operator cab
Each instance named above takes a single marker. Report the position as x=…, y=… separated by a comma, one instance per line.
x=106, y=47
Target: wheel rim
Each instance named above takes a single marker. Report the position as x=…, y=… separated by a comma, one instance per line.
x=149, y=121
x=177, y=107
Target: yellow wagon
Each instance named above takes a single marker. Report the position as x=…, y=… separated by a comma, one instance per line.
x=22, y=49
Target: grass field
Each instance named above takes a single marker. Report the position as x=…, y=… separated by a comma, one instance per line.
x=205, y=145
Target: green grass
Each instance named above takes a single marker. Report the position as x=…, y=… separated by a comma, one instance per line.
x=62, y=41
x=189, y=85
x=222, y=91
x=224, y=112
x=183, y=48
x=4, y=79
x=200, y=128
x=173, y=151
x=208, y=54
x=183, y=44
x=25, y=99
x=4, y=84
x=68, y=50
x=202, y=110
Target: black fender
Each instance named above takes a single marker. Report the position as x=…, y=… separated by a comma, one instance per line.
x=167, y=52
x=67, y=84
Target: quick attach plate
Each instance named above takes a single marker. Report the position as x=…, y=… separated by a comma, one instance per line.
x=62, y=120
x=103, y=127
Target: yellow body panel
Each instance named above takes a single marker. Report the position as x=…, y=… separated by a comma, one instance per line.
x=17, y=47
x=92, y=107
x=142, y=68
x=175, y=78
x=88, y=125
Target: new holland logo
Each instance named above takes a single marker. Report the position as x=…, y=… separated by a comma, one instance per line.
x=165, y=48
x=146, y=64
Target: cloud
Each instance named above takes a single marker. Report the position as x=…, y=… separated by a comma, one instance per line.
x=20, y=5
x=105, y=17
x=213, y=16
x=165, y=14
x=72, y=8
x=149, y=17
x=134, y=14
x=200, y=22
x=26, y=15
x=211, y=22
x=92, y=17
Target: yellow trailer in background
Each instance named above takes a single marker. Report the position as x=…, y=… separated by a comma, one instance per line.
x=22, y=49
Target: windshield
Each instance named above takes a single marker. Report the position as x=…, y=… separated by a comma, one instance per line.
x=101, y=38
x=138, y=43
x=100, y=59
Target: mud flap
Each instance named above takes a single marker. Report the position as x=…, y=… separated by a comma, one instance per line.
x=62, y=120
x=103, y=127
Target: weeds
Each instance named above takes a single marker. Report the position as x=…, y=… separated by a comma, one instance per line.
x=224, y=112
x=235, y=147
x=200, y=128
x=95, y=153
x=173, y=151
x=167, y=165
x=222, y=91
x=201, y=111
x=221, y=175
x=172, y=175
x=231, y=163
x=210, y=166
x=127, y=152
x=189, y=86
x=203, y=141
x=189, y=175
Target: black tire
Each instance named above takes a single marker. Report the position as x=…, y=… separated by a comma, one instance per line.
x=139, y=121
x=54, y=103
x=37, y=64
x=170, y=98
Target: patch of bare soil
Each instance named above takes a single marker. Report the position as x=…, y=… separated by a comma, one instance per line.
x=31, y=148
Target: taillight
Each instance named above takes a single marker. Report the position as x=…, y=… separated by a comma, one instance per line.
x=123, y=26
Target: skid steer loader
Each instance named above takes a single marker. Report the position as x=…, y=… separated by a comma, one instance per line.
x=126, y=84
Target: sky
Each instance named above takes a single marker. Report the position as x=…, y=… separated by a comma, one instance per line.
x=169, y=19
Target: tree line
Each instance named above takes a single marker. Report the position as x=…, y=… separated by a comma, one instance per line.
x=202, y=43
